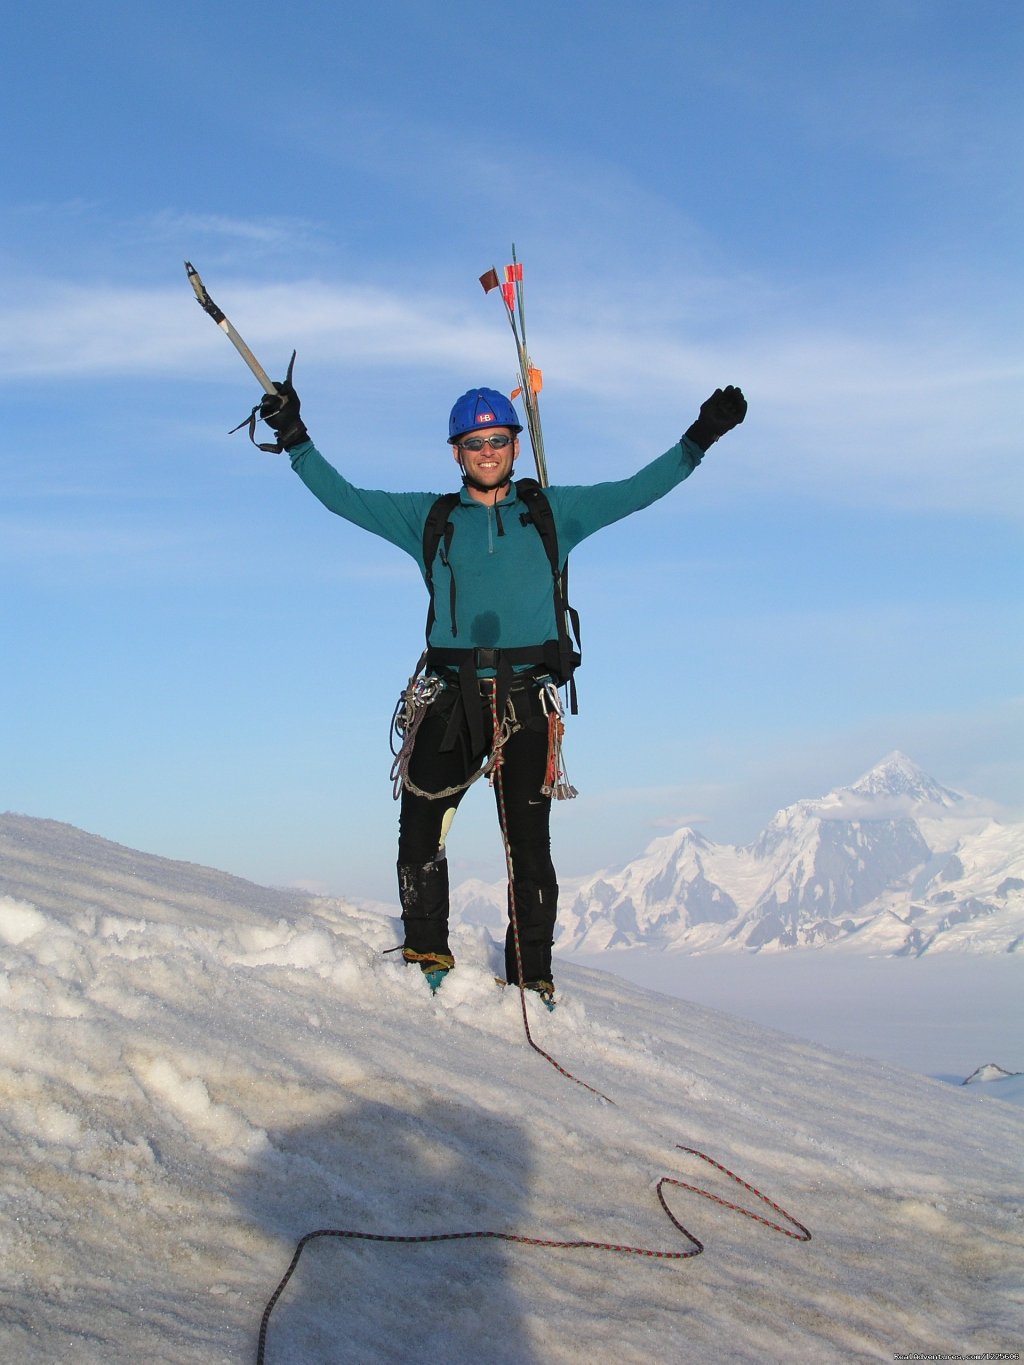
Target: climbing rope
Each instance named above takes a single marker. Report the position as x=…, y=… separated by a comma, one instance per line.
x=515, y=1237
x=499, y=789
x=796, y=1230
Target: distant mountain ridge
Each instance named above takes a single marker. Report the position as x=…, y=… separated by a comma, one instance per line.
x=894, y=864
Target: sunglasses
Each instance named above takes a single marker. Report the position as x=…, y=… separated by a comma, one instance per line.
x=478, y=442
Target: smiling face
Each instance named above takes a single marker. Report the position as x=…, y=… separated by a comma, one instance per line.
x=487, y=470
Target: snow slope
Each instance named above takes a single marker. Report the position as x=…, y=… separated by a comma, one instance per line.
x=196, y=1071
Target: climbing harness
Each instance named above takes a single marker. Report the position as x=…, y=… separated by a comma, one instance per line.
x=414, y=702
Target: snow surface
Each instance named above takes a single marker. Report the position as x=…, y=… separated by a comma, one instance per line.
x=197, y=1071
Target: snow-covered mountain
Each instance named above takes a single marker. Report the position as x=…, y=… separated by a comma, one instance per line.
x=894, y=864
x=197, y=1071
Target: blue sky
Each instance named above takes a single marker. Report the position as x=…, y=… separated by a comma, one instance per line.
x=821, y=203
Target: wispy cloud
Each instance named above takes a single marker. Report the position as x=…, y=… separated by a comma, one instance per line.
x=884, y=414
x=66, y=329
x=850, y=806
x=271, y=233
x=674, y=822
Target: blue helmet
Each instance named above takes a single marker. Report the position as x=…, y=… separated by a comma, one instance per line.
x=481, y=408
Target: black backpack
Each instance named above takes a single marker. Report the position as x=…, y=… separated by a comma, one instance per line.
x=561, y=657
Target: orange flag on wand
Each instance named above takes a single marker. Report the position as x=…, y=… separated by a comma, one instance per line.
x=536, y=382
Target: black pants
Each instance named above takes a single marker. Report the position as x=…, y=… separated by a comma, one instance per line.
x=422, y=866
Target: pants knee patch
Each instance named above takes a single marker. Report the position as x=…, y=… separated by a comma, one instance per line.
x=423, y=889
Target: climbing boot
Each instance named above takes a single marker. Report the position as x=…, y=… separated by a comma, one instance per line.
x=545, y=989
x=434, y=966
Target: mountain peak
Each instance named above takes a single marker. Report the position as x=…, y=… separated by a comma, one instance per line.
x=899, y=776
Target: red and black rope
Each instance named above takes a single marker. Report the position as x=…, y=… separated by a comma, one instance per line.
x=796, y=1231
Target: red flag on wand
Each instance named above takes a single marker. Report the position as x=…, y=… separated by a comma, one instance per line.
x=509, y=291
x=513, y=272
x=490, y=280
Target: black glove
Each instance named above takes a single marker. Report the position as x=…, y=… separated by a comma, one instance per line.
x=280, y=411
x=725, y=409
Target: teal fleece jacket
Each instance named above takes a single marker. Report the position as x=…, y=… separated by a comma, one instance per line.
x=502, y=574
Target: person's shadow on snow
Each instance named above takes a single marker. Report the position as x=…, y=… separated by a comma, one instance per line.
x=413, y=1163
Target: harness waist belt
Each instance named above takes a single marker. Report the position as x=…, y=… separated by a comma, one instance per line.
x=487, y=658
x=465, y=663
x=503, y=661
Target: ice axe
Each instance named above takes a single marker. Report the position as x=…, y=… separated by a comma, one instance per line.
x=208, y=306
x=224, y=323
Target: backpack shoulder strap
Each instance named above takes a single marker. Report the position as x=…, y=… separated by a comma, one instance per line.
x=434, y=528
x=541, y=515
x=543, y=518
x=437, y=526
